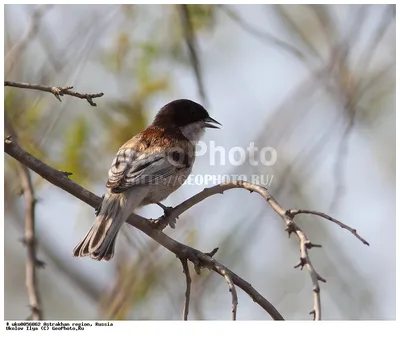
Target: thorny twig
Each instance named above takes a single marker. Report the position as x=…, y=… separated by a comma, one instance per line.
x=294, y=212
x=232, y=290
x=56, y=91
x=187, y=292
x=286, y=216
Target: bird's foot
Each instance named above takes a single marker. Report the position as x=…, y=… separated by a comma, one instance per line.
x=167, y=210
x=167, y=219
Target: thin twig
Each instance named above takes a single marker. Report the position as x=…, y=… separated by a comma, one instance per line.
x=262, y=36
x=373, y=44
x=295, y=212
x=342, y=155
x=30, y=243
x=29, y=240
x=291, y=25
x=56, y=91
x=187, y=292
x=59, y=179
x=17, y=49
x=232, y=290
x=190, y=38
x=305, y=245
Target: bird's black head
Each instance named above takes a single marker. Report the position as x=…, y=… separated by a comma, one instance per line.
x=181, y=113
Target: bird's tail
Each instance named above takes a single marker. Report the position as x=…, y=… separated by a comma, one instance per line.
x=115, y=209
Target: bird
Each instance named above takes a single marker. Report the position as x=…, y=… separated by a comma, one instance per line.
x=146, y=170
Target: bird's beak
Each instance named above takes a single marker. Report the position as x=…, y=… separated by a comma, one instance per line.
x=208, y=124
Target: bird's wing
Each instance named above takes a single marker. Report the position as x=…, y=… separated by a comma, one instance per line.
x=131, y=168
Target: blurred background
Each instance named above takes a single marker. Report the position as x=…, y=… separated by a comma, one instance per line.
x=315, y=82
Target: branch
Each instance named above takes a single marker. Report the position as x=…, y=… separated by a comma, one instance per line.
x=286, y=216
x=232, y=290
x=29, y=240
x=30, y=243
x=199, y=259
x=56, y=91
x=342, y=155
x=191, y=43
x=373, y=44
x=187, y=292
x=294, y=212
x=305, y=245
x=263, y=36
x=17, y=49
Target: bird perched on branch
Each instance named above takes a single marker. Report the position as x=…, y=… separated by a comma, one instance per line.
x=146, y=170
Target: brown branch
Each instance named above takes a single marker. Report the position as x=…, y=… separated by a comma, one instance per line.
x=294, y=212
x=56, y=91
x=29, y=240
x=286, y=215
x=30, y=243
x=199, y=259
x=187, y=292
x=232, y=290
x=190, y=39
x=305, y=245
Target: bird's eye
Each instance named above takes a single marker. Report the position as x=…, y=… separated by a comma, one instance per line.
x=175, y=156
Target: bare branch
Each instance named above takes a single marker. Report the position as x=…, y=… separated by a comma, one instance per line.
x=190, y=38
x=56, y=91
x=187, y=292
x=30, y=243
x=58, y=178
x=296, y=30
x=199, y=259
x=29, y=240
x=341, y=156
x=373, y=44
x=16, y=50
x=294, y=212
x=232, y=290
x=262, y=36
x=305, y=244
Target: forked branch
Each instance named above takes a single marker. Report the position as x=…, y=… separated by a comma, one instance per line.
x=199, y=259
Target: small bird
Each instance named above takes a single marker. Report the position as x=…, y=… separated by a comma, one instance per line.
x=146, y=170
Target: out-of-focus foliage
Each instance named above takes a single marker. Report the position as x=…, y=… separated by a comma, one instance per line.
x=202, y=16
x=75, y=141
